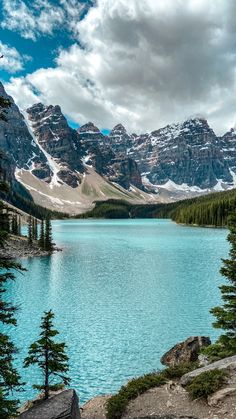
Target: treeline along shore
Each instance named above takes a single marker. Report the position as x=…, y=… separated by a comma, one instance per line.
x=210, y=210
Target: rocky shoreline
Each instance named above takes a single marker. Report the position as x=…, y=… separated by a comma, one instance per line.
x=18, y=247
x=168, y=401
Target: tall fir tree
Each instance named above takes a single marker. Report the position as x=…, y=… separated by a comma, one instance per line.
x=35, y=229
x=19, y=225
x=50, y=356
x=48, y=244
x=30, y=230
x=42, y=236
x=226, y=314
x=14, y=224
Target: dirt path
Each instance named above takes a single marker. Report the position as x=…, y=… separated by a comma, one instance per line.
x=174, y=400
x=170, y=399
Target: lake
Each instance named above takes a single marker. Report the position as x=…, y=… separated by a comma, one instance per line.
x=123, y=292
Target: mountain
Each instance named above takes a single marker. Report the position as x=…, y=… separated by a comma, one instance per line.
x=58, y=141
x=16, y=141
x=228, y=147
x=187, y=154
x=98, y=152
x=120, y=140
x=67, y=170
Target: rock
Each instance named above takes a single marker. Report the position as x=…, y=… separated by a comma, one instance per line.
x=58, y=139
x=64, y=405
x=119, y=140
x=223, y=364
x=166, y=417
x=203, y=360
x=17, y=143
x=108, y=161
x=185, y=153
x=186, y=351
x=220, y=395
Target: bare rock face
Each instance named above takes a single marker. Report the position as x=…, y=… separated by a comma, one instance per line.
x=220, y=395
x=119, y=140
x=166, y=417
x=187, y=153
x=116, y=167
x=228, y=145
x=17, y=142
x=125, y=172
x=186, y=351
x=64, y=405
x=58, y=140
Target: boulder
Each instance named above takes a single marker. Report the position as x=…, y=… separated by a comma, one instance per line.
x=64, y=405
x=220, y=395
x=186, y=351
x=228, y=364
x=166, y=417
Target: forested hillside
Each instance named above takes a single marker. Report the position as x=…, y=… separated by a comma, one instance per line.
x=18, y=196
x=212, y=209
x=208, y=210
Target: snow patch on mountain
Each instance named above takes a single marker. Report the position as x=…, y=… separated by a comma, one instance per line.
x=55, y=167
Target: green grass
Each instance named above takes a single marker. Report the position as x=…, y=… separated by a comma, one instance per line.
x=206, y=383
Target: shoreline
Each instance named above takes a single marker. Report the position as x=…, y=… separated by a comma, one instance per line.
x=18, y=247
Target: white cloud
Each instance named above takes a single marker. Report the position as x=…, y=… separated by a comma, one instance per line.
x=12, y=61
x=145, y=64
x=41, y=18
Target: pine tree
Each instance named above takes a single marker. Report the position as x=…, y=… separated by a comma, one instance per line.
x=19, y=226
x=42, y=236
x=226, y=314
x=48, y=244
x=49, y=356
x=30, y=230
x=9, y=377
x=14, y=225
x=35, y=229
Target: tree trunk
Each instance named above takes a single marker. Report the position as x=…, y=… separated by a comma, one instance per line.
x=46, y=383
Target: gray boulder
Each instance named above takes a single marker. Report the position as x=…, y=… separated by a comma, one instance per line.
x=166, y=417
x=228, y=364
x=64, y=405
x=186, y=351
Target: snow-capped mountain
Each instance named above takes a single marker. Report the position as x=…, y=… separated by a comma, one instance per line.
x=68, y=170
x=187, y=153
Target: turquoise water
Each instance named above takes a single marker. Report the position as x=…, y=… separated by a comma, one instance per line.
x=123, y=293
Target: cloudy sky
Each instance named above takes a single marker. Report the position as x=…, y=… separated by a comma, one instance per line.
x=145, y=63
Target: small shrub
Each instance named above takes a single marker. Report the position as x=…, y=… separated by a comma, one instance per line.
x=177, y=371
x=206, y=383
x=117, y=404
x=218, y=351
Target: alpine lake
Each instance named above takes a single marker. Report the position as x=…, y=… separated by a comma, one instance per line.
x=123, y=293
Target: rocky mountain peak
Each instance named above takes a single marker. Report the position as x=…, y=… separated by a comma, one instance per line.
x=59, y=140
x=118, y=130
x=88, y=128
x=17, y=142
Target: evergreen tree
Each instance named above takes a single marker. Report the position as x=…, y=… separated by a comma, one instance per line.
x=49, y=356
x=30, y=230
x=35, y=229
x=48, y=244
x=9, y=377
x=226, y=314
x=14, y=225
x=41, y=236
x=19, y=225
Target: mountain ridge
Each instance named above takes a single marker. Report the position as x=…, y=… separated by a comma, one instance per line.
x=63, y=167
